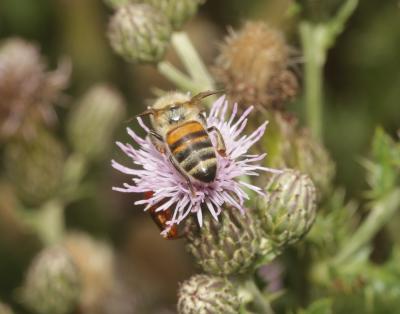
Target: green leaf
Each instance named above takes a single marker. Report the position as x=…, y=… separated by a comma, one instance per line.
x=383, y=167
x=321, y=306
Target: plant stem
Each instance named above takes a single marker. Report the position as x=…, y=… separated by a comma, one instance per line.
x=381, y=213
x=316, y=39
x=192, y=61
x=47, y=221
x=177, y=77
x=314, y=56
x=199, y=79
x=260, y=302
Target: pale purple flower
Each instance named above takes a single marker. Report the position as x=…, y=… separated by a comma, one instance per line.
x=153, y=172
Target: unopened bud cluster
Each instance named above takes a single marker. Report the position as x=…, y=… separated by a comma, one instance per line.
x=140, y=30
x=238, y=242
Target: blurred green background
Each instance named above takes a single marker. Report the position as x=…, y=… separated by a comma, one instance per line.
x=362, y=91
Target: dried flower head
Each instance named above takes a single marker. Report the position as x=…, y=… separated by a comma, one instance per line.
x=27, y=90
x=157, y=174
x=260, y=54
x=139, y=33
x=204, y=294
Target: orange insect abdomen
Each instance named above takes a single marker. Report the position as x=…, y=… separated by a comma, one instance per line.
x=191, y=147
x=160, y=218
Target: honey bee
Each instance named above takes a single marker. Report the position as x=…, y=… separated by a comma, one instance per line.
x=179, y=130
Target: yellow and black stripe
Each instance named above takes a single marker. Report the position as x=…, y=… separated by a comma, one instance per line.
x=192, y=149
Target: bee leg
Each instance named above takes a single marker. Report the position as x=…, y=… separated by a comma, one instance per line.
x=157, y=141
x=221, y=148
x=184, y=175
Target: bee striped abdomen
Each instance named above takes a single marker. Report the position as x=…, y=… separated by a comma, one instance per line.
x=192, y=149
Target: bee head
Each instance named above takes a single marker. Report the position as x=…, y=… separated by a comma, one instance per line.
x=173, y=109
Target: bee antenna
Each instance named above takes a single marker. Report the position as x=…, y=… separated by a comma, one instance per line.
x=144, y=113
x=205, y=94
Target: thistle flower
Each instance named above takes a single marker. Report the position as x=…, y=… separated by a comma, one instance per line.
x=204, y=294
x=260, y=54
x=227, y=247
x=52, y=283
x=139, y=33
x=158, y=175
x=27, y=90
x=288, y=210
x=35, y=167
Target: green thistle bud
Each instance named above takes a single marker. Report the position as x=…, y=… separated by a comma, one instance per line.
x=204, y=294
x=92, y=122
x=225, y=247
x=52, y=283
x=139, y=33
x=288, y=210
x=312, y=158
x=35, y=167
x=5, y=309
x=289, y=146
x=177, y=11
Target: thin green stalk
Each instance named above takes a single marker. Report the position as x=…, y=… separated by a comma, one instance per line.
x=380, y=215
x=192, y=61
x=316, y=39
x=47, y=221
x=260, y=302
x=314, y=56
x=177, y=77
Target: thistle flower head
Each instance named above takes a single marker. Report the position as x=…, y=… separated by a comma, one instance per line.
x=27, y=90
x=259, y=53
x=228, y=247
x=52, y=284
x=157, y=174
x=139, y=33
x=35, y=167
x=207, y=294
x=288, y=210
